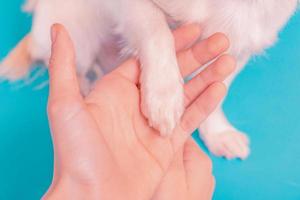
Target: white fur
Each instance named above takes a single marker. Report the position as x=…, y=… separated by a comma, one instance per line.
x=95, y=25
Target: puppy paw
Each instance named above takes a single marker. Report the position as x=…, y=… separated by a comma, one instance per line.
x=230, y=144
x=163, y=104
x=12, y=73
x=17, y=63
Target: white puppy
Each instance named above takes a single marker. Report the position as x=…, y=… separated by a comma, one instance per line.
x=97, y=26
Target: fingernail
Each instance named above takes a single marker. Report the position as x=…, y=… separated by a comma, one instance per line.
x=54, y=32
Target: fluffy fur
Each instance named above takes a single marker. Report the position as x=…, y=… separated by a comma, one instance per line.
x=97, y=26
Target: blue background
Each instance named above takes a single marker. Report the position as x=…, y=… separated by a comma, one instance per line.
x=263, y=101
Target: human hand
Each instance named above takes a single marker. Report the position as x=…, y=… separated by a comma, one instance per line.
x=189, y=177
x=103, y=145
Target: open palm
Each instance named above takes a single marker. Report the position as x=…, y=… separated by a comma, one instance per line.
x=103, y=144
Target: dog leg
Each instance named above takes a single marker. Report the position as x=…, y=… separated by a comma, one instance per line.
x=220, y=137
x=17, y=64
x=161, y=81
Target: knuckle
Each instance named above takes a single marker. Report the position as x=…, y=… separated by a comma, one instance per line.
x=218, y=42
x=61, y=106
x=202, y=110
x=188, y=98
x=53, y=107
x=187, y=125
x=190, y=122
x=228, y=62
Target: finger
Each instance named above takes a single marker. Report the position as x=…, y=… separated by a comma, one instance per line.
x=203, y=106
x=218, y=71
x=184, y=37
x=63, y=78
x=197, y=112
x=201, y=53
x=188, y=60
x=198, y=170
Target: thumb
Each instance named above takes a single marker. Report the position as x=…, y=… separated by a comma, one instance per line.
x=63, y=78
x=64, y=95
x=198, y=169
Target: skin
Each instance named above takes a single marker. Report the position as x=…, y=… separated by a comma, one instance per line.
x=103, y=145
